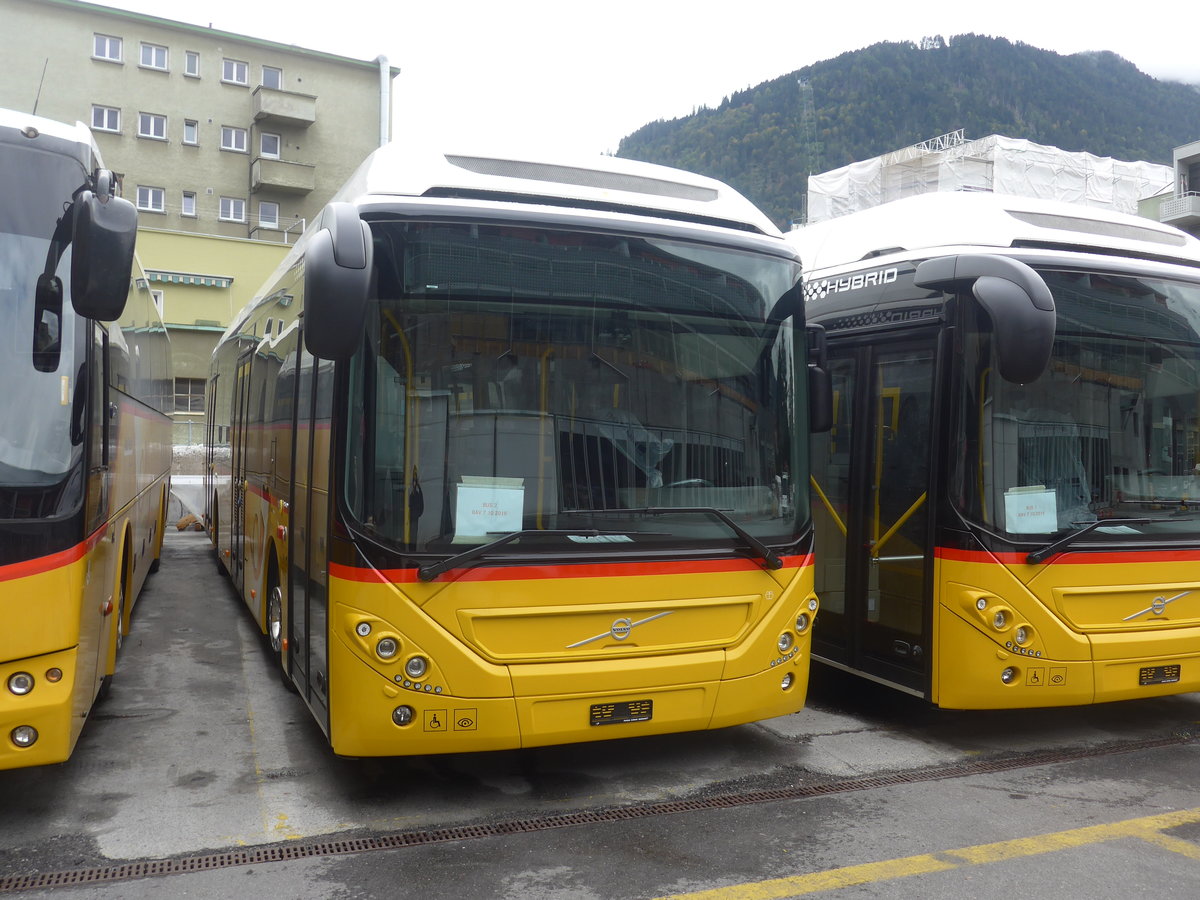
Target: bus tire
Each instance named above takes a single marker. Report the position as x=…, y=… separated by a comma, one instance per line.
x=274, y=623
x=160, y=532
x=216, y=539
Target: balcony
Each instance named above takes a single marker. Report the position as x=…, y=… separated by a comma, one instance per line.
x=280, y=175
x=284, y=107
x=1182, y=212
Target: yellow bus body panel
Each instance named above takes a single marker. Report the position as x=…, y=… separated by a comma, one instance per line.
x=47, y=624
x=1092, y=633
x=701, y=652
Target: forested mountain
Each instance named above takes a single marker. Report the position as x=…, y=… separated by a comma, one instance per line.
x=766, y=139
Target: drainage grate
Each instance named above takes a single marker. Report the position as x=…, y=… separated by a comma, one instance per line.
x=286, y=851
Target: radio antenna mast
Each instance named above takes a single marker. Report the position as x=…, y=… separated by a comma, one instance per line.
x=38, y=97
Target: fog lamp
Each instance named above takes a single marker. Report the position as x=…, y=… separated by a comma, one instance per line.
x=24, y=735
x=788, y=680
x=402, y=715
x=1009, y=675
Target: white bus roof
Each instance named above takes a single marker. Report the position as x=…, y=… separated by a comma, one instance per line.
x=603, y=182
x=11, y=118
x=931, y=223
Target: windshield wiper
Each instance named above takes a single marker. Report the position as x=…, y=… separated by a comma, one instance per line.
x=433, y=570
x=1043, y=553
x=770, y=559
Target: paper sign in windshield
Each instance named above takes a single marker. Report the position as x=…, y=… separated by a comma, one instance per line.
x=489, y=506
x=1030, y=510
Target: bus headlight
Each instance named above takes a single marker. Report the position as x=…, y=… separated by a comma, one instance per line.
x=20, y=683
x=363, y=629
x=24, y=735
x=1023, y=635
x=802, y=623
x=1000, y=619
x=812, y=604
x=417, y=667
x=785, y=642
x=387, y=647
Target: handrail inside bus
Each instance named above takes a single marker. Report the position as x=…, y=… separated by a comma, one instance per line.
x=837, y=520
x=891, y=532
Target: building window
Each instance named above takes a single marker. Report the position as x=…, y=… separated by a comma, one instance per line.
x=106, y=118
x=233, y=209
x=154, y=56
x=151, y=199
x=157, y=297
x=152, y=126
x=233, y=138
x=191, y=64
x=187, y=206
x=105, y=46
x=235, y=72
x=189, y=395
x=191, y=131
x=268, y=215
x=268, y=145
x=272, y=78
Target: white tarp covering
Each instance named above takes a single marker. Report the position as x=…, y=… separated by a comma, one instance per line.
x=995, y=163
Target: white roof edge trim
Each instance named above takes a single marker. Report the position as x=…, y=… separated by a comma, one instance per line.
x=915, y=226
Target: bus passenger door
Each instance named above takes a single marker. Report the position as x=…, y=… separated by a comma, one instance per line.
x=870, y=505
x=307, y=554
x=237, y=492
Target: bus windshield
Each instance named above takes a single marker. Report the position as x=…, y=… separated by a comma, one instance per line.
x=606, y=389
x=38, y=452
x=1109, y=433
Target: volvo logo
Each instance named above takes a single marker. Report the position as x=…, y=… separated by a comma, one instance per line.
x=1157, y=606
x=619, y=630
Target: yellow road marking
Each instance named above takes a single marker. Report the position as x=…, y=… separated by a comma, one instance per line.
x=1147, y=828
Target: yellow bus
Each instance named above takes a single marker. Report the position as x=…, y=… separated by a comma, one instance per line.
x=1008, y=503
x=510, y=453
x=84, y=438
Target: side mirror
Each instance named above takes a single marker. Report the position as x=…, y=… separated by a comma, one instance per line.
x=104, y=230
x=820, y=383
x=337, y=279
x=1016, y=299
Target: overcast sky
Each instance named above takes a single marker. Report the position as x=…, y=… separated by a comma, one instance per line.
x=571, y=77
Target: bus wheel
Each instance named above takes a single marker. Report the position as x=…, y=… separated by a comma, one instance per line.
x=160, y=530
x=275, y=620
x=216, y=539
x=120, y=613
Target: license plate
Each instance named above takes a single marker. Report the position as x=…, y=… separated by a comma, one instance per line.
x=1158, y=675
x=623, y=712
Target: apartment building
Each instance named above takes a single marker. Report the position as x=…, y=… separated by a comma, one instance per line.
x=228, y=144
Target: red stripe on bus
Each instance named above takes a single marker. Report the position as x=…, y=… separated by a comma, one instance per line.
x=1073, y=557
x=584, y=570
x=30, y=567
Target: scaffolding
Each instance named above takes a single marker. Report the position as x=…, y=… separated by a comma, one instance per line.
x=994, y=164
